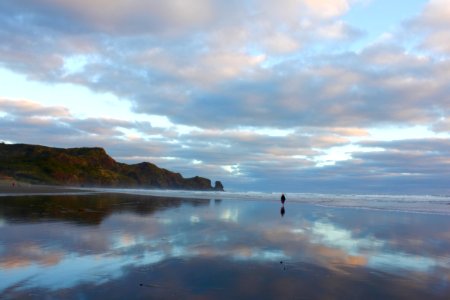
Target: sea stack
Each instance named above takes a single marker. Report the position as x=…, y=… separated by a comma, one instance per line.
x=218, y=186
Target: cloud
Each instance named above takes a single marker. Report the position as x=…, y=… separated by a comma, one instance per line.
x=94, y=28
x=327, y=9
x=124, y=16
x=436, y=12
x=199, y=71
x=243, y=158
x=230, y=72
x=292, y=10
x=30, y=109
x=281, y=43
x=345, y=90
x=434, y=23
x=407, y=166
x=442, y=125
x=31, y=122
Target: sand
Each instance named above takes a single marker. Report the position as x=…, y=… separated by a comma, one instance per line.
x=9, y=187
x=140, y=247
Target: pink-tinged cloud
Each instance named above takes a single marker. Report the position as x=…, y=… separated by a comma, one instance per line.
x=31, y=109
x=434, y=24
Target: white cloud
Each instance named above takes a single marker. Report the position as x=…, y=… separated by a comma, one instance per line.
x=328, y=9
x=280, y=42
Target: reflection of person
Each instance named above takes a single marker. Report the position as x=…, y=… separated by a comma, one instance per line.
x=282, y=211
x=283, y=198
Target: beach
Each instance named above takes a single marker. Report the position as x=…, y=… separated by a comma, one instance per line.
x=9, y=187
x=115, y=246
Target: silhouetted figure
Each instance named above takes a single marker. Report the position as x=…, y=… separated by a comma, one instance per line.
x=282, y=211
x=283, y=198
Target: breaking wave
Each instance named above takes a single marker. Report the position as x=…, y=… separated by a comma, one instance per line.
x=407, y=203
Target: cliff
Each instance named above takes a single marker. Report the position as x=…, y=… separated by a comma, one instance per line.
x=89, y=167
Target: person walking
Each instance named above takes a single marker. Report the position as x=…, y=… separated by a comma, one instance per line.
x=283, y=199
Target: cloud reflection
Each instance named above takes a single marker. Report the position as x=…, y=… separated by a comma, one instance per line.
x=60, y=255
x=330, y=235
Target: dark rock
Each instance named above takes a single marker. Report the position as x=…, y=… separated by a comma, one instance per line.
x=218, y=186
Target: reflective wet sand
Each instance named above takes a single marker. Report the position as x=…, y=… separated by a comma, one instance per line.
x=123, y=246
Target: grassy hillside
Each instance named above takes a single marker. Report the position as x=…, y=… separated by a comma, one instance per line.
x=88, y=167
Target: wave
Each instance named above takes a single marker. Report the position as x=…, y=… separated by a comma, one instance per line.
x=407, y=203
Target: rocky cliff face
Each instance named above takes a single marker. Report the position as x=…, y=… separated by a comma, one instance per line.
x=89, y=167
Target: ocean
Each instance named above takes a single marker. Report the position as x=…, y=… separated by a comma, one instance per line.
x=439, y=204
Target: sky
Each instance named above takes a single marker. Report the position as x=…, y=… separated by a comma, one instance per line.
x=337, y=96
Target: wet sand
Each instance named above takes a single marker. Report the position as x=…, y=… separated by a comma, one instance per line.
x=11, y=188
x=119, y=246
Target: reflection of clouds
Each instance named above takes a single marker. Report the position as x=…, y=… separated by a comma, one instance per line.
x=194, y=219
x=25, y=262
x=256, y=254
x=126, y=240
x=322, y=243
x=331, y=246
x=238, y=252
x=73, y=270
x=165, y=221
x=14, y=262
x=69, y=272
x=332, y=257
x=329, y=234
x=369, y=251
x=243, y=251
x=402, y=261
x=230, y=215
x=29, y=253
x=356, y=260
x=298, y=231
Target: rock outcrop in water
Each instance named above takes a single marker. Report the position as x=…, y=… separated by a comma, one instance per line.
x=218, y=186
x=89, y=167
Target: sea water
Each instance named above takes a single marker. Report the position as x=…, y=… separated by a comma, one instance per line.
x=439, y=204
x=137, y=244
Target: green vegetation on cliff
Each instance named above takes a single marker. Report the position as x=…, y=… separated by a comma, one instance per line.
x=88, y=167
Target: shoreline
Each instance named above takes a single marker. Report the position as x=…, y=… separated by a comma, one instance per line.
x=406, y=204
x=14, y=188
x=28, y=189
